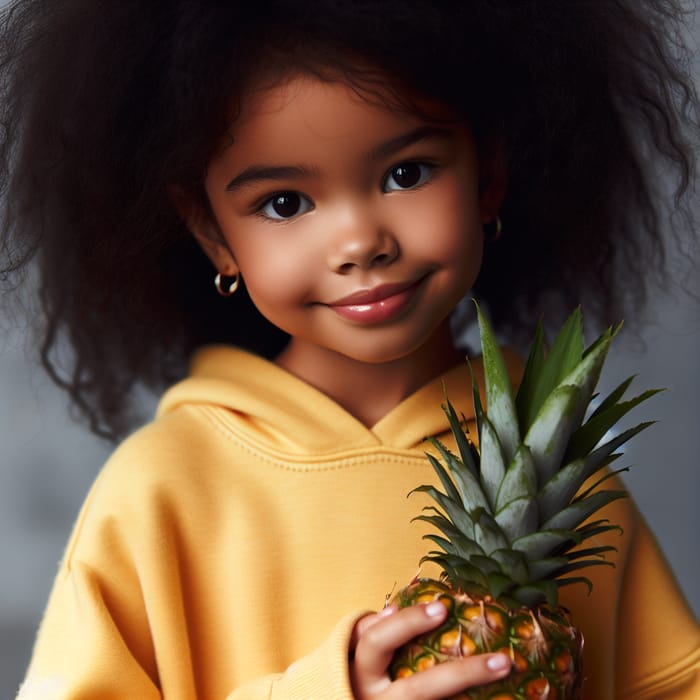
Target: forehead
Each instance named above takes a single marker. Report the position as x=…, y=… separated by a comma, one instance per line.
x=327, y=109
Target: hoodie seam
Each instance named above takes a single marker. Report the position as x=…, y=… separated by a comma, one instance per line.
x=311, y=461
x=671, y=677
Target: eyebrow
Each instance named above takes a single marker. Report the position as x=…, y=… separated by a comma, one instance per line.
x=422, y=133
x=266, y=173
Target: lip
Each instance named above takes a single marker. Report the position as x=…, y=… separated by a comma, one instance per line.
x=370, y=296
x=377, y=305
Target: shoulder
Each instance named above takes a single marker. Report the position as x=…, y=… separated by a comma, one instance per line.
x=149, y=452
x=155, y=463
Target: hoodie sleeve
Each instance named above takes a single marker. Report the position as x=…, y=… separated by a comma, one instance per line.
x=81, y=653
x=658, y=639
x=323, y=674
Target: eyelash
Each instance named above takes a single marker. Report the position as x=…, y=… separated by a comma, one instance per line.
x=426, y=174
x=268, y=201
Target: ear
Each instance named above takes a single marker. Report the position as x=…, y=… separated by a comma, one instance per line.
x=492, y=180
x=203, y=226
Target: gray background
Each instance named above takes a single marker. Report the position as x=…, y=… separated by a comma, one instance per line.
x=47, y=462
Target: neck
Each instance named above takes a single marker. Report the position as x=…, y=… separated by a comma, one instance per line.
x=369, y=391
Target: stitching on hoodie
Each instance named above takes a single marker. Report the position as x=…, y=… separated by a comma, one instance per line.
x=317, y=462
x=670, y=678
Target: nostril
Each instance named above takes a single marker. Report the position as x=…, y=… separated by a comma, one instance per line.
x=377, y=260
x=377, y=250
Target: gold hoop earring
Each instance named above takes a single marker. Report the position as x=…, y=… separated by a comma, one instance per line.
x=493, y=230
x=230, y=289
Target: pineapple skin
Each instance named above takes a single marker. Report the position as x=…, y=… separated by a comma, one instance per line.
x=545, y=646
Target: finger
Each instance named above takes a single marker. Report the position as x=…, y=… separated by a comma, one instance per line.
x=381, y=637
x=451, y=677
x=364, y=623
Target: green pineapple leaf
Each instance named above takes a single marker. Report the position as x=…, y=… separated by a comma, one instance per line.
x=586, y=373
x=499, y=393
x=499, y=583
x=519, y=480
x=454, y=510
x=561, y=582
x=546, y=568
x=581, y=509
x=549, y=435
x=538, y=592
x=566, y=483
x=459, y=547
x=446, y=526
x=467, y=450
x=538, y=545
x=513, y=564
x=614, y=396
x=565, y=354
x=493, y=464
x=583, y=564
x=469, y=489
x=487, y=565
x=597, y=527
x=476, y=395
x=600, y=551
x=561, y=488
x=457, y=569
x=593, y=488
x=527, y=399
x=518, y=517
x=594, y=429
x=488, y=532
x=445, y=480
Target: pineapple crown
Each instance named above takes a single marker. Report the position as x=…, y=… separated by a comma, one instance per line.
x=513, y=516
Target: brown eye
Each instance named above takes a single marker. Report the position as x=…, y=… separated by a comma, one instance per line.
x=407, y=176
x=285, y=205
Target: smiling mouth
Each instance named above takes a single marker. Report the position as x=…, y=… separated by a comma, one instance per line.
x=377, y=305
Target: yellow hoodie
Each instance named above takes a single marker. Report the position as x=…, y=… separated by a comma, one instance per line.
x=227, y=549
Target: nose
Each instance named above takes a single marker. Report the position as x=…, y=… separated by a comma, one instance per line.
x=360, y=243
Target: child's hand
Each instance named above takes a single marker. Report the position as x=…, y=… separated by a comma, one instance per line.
x=377, y=636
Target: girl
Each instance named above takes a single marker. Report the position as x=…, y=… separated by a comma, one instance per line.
x=342, y=172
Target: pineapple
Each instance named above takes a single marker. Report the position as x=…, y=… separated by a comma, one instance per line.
x=514, y=519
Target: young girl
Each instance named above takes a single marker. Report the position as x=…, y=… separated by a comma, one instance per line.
x=342, y=174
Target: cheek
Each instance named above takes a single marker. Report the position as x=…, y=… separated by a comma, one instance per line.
x=446, y=227
x=274, y=275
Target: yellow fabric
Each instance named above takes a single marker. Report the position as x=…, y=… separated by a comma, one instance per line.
x=226, y=550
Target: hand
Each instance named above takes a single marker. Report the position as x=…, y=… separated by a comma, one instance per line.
x=375, y=639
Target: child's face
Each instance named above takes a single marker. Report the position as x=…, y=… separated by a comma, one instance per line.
x=355, y=228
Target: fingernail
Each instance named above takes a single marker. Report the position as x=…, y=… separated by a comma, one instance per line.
x=384, y=612
x=498, y=662
x=434, y=609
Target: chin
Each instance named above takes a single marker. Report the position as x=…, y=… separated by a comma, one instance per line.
x=381, y=354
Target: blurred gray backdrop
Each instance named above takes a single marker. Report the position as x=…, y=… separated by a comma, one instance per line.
x=47, y=462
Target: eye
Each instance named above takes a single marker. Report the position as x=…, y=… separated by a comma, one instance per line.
x=285, y=205
x=407, y=176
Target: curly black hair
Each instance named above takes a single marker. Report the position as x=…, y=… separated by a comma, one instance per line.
x=106, y=106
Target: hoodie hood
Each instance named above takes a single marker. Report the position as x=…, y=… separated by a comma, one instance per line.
x=275, y=408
